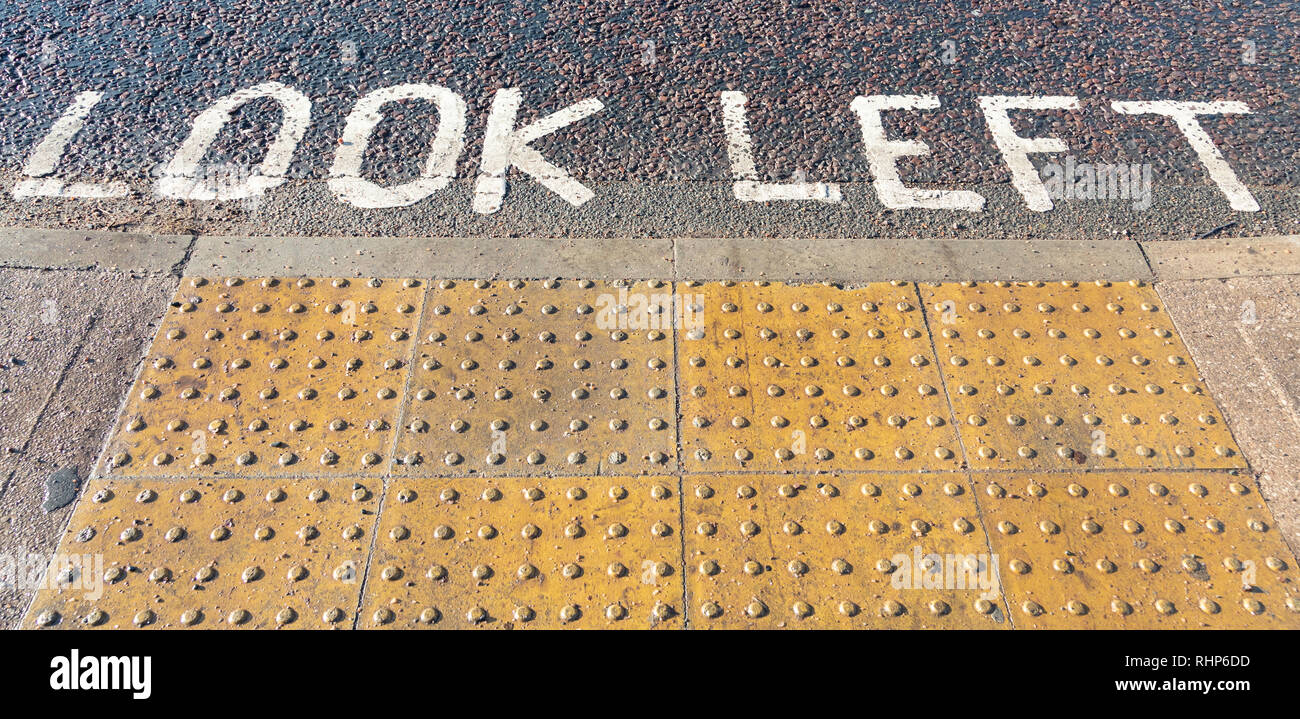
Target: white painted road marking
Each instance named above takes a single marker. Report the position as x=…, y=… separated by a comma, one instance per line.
x=883, y=152
x=181, y=178
x=345, y=175
x=740, y=150
x=1016, y=149
x=47, y=153
x=1184, y=115
x=504, y=145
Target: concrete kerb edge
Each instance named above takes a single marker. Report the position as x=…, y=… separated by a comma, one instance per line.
x=779, y=259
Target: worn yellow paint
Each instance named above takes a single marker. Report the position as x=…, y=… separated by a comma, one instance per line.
x=542, y=377
x=812, y=377
x=886, y=456
x=270, y=377
x=1073, y=375
x=221, y=553
x=1130, y=550
x=527, y=553
x=889, y=550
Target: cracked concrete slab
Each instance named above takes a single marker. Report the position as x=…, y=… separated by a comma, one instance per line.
x=1224, y=257
x=40, y=325
x=1244, y=334
x=78, y=373
x=78, y=250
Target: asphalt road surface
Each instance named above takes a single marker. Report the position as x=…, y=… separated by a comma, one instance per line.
x=626, y=100
x=143, y=142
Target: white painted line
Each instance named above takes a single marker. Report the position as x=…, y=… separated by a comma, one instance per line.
x=182, y=179
x=1016, y=149
x=1184, y=116
x=504, y=146
x=345, y=175
x=47, y=153
x=740, y=150
x=882, y=154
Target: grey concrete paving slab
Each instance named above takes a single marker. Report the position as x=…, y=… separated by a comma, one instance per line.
x=40, y=326
x=689, y=258
x=116, y=316
x=846, y=259
x=909, y=259
x=1244, y=334
x=75, y=249
x=1224, y=257
x=431, y=257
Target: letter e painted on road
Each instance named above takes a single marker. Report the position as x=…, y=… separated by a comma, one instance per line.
x=882, y=153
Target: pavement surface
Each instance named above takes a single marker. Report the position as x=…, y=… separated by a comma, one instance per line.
x=147, y=144
x=276, y=426
x=72, y=341
x=658, y=157
x=1245, y=333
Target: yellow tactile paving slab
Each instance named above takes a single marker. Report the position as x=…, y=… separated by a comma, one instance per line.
x=287, y=377
x=220, y=553
x=1130, y=550
x=811, y=377
x=390, y=453
x=549, y=377
x=1073, y=375
x=527, y=553
x=902, y=551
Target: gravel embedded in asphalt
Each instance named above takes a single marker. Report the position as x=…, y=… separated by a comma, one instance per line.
x=658, y=69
